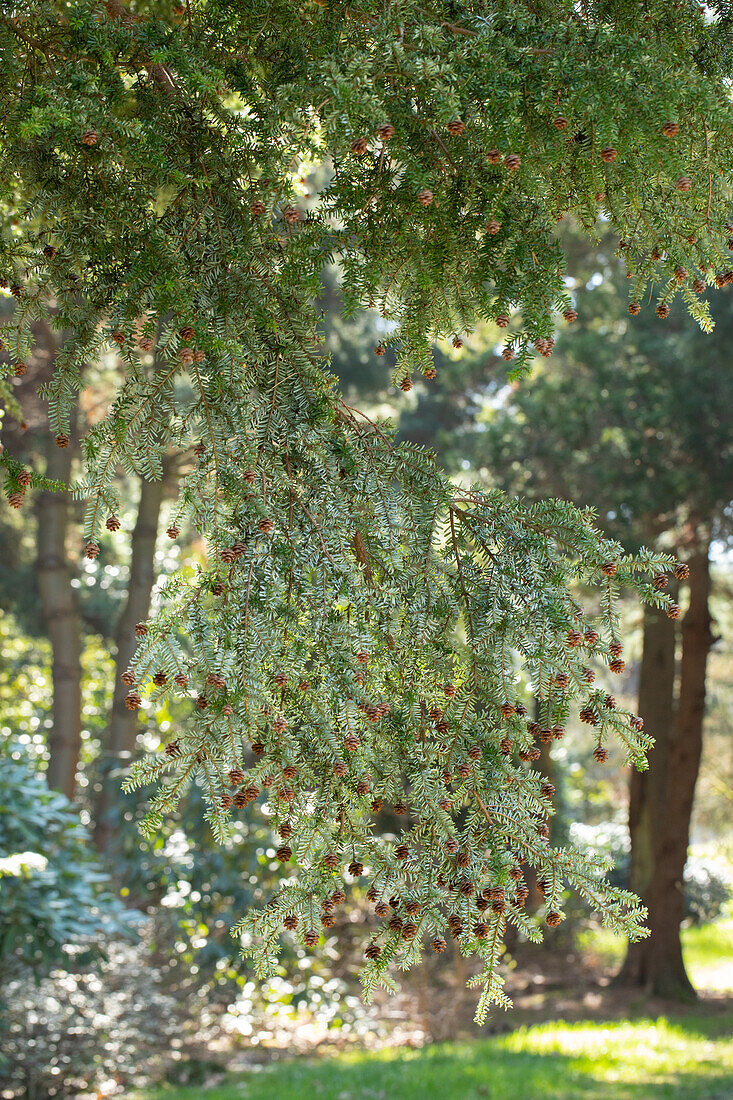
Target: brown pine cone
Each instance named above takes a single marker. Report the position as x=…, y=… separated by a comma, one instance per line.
x=589, y=675
x=574, y=638
x=265, y=526
x=591, y=637
x=508, y=353
x=552, y=919
x=373, y=950
x=682, y=571
x=340, y=769
x=506, y=746
x=680, y=274
x=377, y=804
x=698, y=286
x=547, y=790
x=673, y=610
x=181, y=680
x=562, y=680
x=684, y=183
x=634, y=308
x=173, y=749
x=608, y=154
x=588, y=715
x=351, y=742
x=401, y=851
x=659, y=582
x=670, y=129
x=455, y=127
x=338, y=897
x=311, y=937
x=128, y=679
x=438, y=945
x=291, y=215
x=610, y=702
x=615, y=649
x=512, y=161
x=400, y=808
x=617, y=665
x=430, y=373
x=141, y=630
x=385, y=131
x=146, y=343
x=493, y=156
x=225, y=801
x=91, y=550
x=425, y=197
x=160, y=679
x=15, y=500
x=570, y=315
x=258, y=208
x=236, y=777
x=133, y=701
x=502, y=320
x=290, y=922
x=636, y=723
x=600, y=754
x=89, y=137
x=493, y=226
x=609, y=569
x=359, y=147
x=328, y=920
x=49, y=251
x=251, y=793
x=330, y=860
x=560, y=123
x=507, y=710
x=381, y=909
x=356, y=868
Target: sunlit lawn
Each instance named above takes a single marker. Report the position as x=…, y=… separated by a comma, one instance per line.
x=689, y=1057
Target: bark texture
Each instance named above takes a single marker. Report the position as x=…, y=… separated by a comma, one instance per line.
x=63, y=625
x=666, y=809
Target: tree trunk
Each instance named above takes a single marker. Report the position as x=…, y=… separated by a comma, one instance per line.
x=646, y=789
x=660, y=968
x=120, y=747
x=63, y=625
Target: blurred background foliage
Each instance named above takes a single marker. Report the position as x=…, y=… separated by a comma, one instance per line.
x=116, y=963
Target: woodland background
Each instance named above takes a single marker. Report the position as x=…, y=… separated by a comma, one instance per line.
x=117, y=969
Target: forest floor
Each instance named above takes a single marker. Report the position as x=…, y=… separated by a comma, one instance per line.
x=572, y=1035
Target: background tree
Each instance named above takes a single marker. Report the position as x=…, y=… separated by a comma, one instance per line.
x=629, y=416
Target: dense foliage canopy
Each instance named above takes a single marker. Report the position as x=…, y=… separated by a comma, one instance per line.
x=362, y=628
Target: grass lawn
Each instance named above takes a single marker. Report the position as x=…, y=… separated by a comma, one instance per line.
x=690, y=1058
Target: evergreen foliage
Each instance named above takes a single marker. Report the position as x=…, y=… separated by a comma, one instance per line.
x=361, y=627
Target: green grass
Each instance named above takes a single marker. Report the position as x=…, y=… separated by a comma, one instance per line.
x=690, y=1058
x=708, y=951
